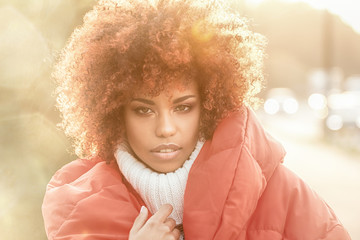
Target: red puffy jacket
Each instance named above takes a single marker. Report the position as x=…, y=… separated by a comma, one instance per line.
x=237, y=189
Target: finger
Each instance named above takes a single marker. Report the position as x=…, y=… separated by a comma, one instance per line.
x=176, y=233
x=140, y=219
x=171, y=223
x=162, y=214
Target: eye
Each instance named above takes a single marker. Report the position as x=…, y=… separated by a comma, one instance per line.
x=183, y=108
x=143, y=110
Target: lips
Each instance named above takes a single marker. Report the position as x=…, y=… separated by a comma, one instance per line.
x=166, y=151
x=166, y=148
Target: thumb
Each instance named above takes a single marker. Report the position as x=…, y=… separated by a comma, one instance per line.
x=140, y=219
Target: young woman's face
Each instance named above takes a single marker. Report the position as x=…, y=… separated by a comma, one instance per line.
x=162, y=131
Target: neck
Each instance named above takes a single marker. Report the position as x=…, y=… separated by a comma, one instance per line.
x=156, y=188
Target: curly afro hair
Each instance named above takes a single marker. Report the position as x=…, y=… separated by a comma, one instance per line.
x=127, y=45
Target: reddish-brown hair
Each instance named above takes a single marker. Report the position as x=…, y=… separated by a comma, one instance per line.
x=124, y=46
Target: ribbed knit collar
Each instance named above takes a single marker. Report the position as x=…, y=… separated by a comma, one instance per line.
x=156, y=188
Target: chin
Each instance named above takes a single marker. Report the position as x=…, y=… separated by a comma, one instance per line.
x=167, y=169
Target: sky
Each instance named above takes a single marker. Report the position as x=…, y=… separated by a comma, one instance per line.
x=347, y=10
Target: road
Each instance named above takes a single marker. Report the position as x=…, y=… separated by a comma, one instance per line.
x=332, y=171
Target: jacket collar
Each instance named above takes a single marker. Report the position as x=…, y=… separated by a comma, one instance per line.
x=228, y=177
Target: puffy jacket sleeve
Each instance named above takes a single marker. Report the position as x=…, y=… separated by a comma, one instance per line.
x=88, y=200
x=296, y=211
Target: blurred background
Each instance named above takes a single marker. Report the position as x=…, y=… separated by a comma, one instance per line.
x=311, y=102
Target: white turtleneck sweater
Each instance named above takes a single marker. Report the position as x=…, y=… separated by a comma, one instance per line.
x=156, y=188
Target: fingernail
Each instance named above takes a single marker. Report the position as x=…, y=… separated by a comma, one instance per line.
x=143, y=209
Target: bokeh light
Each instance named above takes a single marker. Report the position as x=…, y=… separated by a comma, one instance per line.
x=290, y=105
x=334, y=122
x=317, y=101
x=271, y=106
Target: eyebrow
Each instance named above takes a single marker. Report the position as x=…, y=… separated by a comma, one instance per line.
x=178, y=100
x=143, y=100
x=181, y=99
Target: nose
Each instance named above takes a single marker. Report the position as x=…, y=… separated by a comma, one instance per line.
x=165, y=126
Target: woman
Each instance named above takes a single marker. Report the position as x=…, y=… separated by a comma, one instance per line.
x=155, y=96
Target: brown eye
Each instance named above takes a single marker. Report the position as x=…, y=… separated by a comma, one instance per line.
x=182, y=108
x=143, y=110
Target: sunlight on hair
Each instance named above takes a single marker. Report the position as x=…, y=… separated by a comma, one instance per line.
x=200, y=33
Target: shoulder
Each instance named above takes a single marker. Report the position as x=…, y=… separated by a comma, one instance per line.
x=294, y=210
x=92, y=169
x=88, y=196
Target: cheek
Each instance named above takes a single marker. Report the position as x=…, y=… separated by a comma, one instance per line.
x=133, y=131
x=138, y=132
x=135, y=137
x=192, y=125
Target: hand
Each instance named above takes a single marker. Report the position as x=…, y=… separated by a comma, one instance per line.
x=158, y=227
